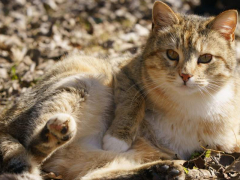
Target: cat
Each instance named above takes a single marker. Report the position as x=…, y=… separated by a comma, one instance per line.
x=187, y=72
x=69, y=111
x=179, y=95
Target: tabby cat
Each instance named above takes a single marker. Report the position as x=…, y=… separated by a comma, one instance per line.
x=179, y=94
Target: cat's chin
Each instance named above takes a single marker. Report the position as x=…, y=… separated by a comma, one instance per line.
x=187, y=90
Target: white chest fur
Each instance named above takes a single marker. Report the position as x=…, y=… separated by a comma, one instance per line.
x=190, y=125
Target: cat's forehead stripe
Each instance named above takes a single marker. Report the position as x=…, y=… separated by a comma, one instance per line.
x=190, y=32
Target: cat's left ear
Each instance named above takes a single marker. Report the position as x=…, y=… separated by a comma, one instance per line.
x=163, y=15
x=226, y=23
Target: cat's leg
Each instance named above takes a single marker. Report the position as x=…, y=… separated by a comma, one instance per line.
x=123, y=130
x=13, y=156
x=142, y=161
x=78, y=162
x=151, y=171
x=129, y=113
x=59, y=130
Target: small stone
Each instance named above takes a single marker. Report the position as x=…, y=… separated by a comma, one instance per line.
x=130, y=37
x=3, y=73
x=15, y=85
x=120, y=12
x=141, y=31
x=17, y=54
x=27, y=60
x=21, y=2
x=52, y=4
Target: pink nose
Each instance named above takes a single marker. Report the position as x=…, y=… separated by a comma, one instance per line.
x=185, y=77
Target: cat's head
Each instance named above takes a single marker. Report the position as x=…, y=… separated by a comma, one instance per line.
x=189, y=53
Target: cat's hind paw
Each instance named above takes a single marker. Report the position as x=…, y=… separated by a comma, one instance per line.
x=111, y=143
x=162, y=170
x=166, y=170
x=61, y=127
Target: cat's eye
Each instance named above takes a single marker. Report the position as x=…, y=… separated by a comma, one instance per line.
x=205, y=58
x=172, y=55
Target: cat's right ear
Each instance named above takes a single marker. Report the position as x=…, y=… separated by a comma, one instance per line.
x=163, y=15
x=225, y=23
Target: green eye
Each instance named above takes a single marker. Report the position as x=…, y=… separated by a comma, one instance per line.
x=205, y=58
x=172, y=55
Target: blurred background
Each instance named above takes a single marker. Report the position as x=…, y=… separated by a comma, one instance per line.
x=35, y=34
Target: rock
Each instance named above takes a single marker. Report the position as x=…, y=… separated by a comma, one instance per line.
x=130, y=37
x=3, y=73
x=21, y=2
x=141, y=31
x=17, y=54
x=51, y=3
x=6, y=42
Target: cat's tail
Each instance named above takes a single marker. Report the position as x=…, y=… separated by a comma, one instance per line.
x=24, y=176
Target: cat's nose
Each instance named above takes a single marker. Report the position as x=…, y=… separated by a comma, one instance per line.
x=185, y=77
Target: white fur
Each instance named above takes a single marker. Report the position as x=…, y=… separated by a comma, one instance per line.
x=111, y=143
x=92, y=120
x=197, y=105
x=181, y=131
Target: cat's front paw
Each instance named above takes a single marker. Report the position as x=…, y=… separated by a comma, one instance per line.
x=111, y=143
x=61, y=127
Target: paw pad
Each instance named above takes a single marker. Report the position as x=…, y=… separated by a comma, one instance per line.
x=62, y=127
x=170, y=171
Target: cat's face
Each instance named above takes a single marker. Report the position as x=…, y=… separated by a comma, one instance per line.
x=190, y=54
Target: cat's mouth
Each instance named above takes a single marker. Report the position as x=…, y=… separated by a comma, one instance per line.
x=187, y=89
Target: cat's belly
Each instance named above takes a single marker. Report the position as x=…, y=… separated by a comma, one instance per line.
x=184, y=136
x=177, y=137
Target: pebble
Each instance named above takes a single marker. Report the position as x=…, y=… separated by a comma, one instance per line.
x=141, y=31
x=3, y=73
